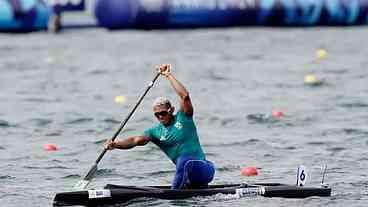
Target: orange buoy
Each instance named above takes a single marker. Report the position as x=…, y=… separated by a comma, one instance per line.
x=249, y=171
x=50, y=147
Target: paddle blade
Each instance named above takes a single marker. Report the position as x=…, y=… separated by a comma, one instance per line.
x=82, y=184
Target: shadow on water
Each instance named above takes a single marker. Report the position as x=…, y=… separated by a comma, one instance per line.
x=5, y=124
x=355, y=104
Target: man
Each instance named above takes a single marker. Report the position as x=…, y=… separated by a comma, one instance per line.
x=176, y=135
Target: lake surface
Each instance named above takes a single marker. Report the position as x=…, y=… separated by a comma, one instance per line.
x=60, y=89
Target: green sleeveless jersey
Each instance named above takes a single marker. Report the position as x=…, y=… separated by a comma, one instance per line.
x=179, y=138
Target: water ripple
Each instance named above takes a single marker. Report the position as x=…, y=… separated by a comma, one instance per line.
x=86, y=131
x=161, y=172
x=285, y=85
x=220, y=197
x=74, y=153
x=261, y=118
x=97, y=72
x=79, y=121
x=106, y=172
x=8, y=48
x=71, y=176
x=255, y=57
x=6, y=177
x=43, y=100
x=227, y=121
x=4, y=124
x=47, y=168
x=111, y=120
x=268, y=155
x=336, y=149
x=290, y=148
x=5, y=195
x=41, y=121
x=230, y=144
x=337, y=71
x=355, y=131
x=317, y=143
x=57, y=161
x=19, y=158
x=212, y=154
x=213, y=76
x=54, y=134
x=357, y=104
x=228, y=168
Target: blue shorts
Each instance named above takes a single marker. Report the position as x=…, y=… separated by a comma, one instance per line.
x=192, y=173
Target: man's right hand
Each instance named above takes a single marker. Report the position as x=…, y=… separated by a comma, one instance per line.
x=164, y=69
x=109, y=145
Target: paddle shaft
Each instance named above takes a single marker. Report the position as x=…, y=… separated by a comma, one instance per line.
x=123, y=123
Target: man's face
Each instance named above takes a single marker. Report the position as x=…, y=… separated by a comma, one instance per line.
x=163, y=114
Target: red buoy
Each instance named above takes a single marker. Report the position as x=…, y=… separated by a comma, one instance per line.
x=277, y=113
x=50, y=147
x=249, y=171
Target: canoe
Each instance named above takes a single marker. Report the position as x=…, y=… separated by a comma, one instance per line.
x=117, y=194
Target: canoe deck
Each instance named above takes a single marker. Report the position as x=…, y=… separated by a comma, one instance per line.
x=114, y=194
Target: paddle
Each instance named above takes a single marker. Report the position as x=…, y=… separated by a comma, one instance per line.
x=82, y=184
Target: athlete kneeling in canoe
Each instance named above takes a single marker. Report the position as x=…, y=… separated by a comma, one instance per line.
x=176, y=135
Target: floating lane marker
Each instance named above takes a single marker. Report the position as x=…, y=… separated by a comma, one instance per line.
x=311, y=79
x=120, y=99
x=321, y=54
x=249, y=171
x=50, y=147
x=277, y=113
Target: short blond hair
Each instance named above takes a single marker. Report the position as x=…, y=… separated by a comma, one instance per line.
x=162, y=101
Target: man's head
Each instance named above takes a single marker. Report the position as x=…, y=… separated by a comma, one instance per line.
x=163, y=110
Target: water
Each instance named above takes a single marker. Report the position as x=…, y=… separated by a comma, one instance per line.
x=60, y=89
